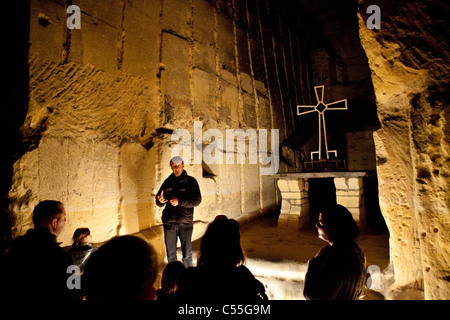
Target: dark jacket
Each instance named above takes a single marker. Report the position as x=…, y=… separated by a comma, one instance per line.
x=220, y=284
x=336, y=273
x=186, y=189
x=81, y=253
x=36, y=268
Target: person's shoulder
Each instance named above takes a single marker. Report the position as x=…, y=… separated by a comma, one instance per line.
x=244, y=272
x=348, y=247
x=170, y=178
x=340, y=255
x=254, y=288
x=242, y=268
x=27, y=239
x=191, y=179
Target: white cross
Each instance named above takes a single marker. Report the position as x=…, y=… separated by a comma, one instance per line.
x=321, y=107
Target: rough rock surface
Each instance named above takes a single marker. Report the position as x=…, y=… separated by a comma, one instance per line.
x=104, y=100
x=409, y=58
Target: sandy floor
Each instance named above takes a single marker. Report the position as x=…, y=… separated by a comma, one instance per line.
x=278, y=256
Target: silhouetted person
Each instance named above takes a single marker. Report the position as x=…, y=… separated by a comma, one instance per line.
x=124, y=268
x=36, y=266
x=220, y=273
x=337, y=272
x=179, y=194
x=169, y=281
x=82, y=247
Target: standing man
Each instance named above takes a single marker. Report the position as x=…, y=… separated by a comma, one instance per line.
x=179, y=194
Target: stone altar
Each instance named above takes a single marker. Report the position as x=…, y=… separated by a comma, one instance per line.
x=294, y=189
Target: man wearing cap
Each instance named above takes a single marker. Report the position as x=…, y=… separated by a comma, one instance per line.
x=179, y=193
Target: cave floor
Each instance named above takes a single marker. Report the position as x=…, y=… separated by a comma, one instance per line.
x=278, y=256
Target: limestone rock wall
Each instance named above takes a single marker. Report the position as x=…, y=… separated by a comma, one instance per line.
x=104, y=99
x=409, y=58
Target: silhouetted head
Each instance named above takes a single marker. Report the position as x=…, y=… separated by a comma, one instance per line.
x=170, y=275
x=124, y=268
x=82, y=235
x=220, y=245
x=336, y=224
x=51, y=215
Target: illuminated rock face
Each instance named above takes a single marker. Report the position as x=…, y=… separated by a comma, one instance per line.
x=409, y=58
x=104, y=99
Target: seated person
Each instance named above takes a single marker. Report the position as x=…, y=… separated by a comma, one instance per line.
x=82, y=247
x=169, y=281
x=220, y=273
x=337, y=272
x=124, y=268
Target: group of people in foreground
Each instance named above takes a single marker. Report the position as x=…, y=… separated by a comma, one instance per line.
x=126, y=267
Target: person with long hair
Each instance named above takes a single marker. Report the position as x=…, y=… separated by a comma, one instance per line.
x=82, y=247
x=169, y=281
x=220, y=273
x=337, y=272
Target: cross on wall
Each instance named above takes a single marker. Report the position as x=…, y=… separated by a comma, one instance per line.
x=320, y=108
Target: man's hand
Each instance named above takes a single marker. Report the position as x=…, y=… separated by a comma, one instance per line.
x=161, y=198
x=174, y=201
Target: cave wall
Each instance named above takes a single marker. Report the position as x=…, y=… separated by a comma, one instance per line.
x=409, y=58
x=103, y=100
x=339, y=62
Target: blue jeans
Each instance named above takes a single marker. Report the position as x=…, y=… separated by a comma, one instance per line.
x=171, y=233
